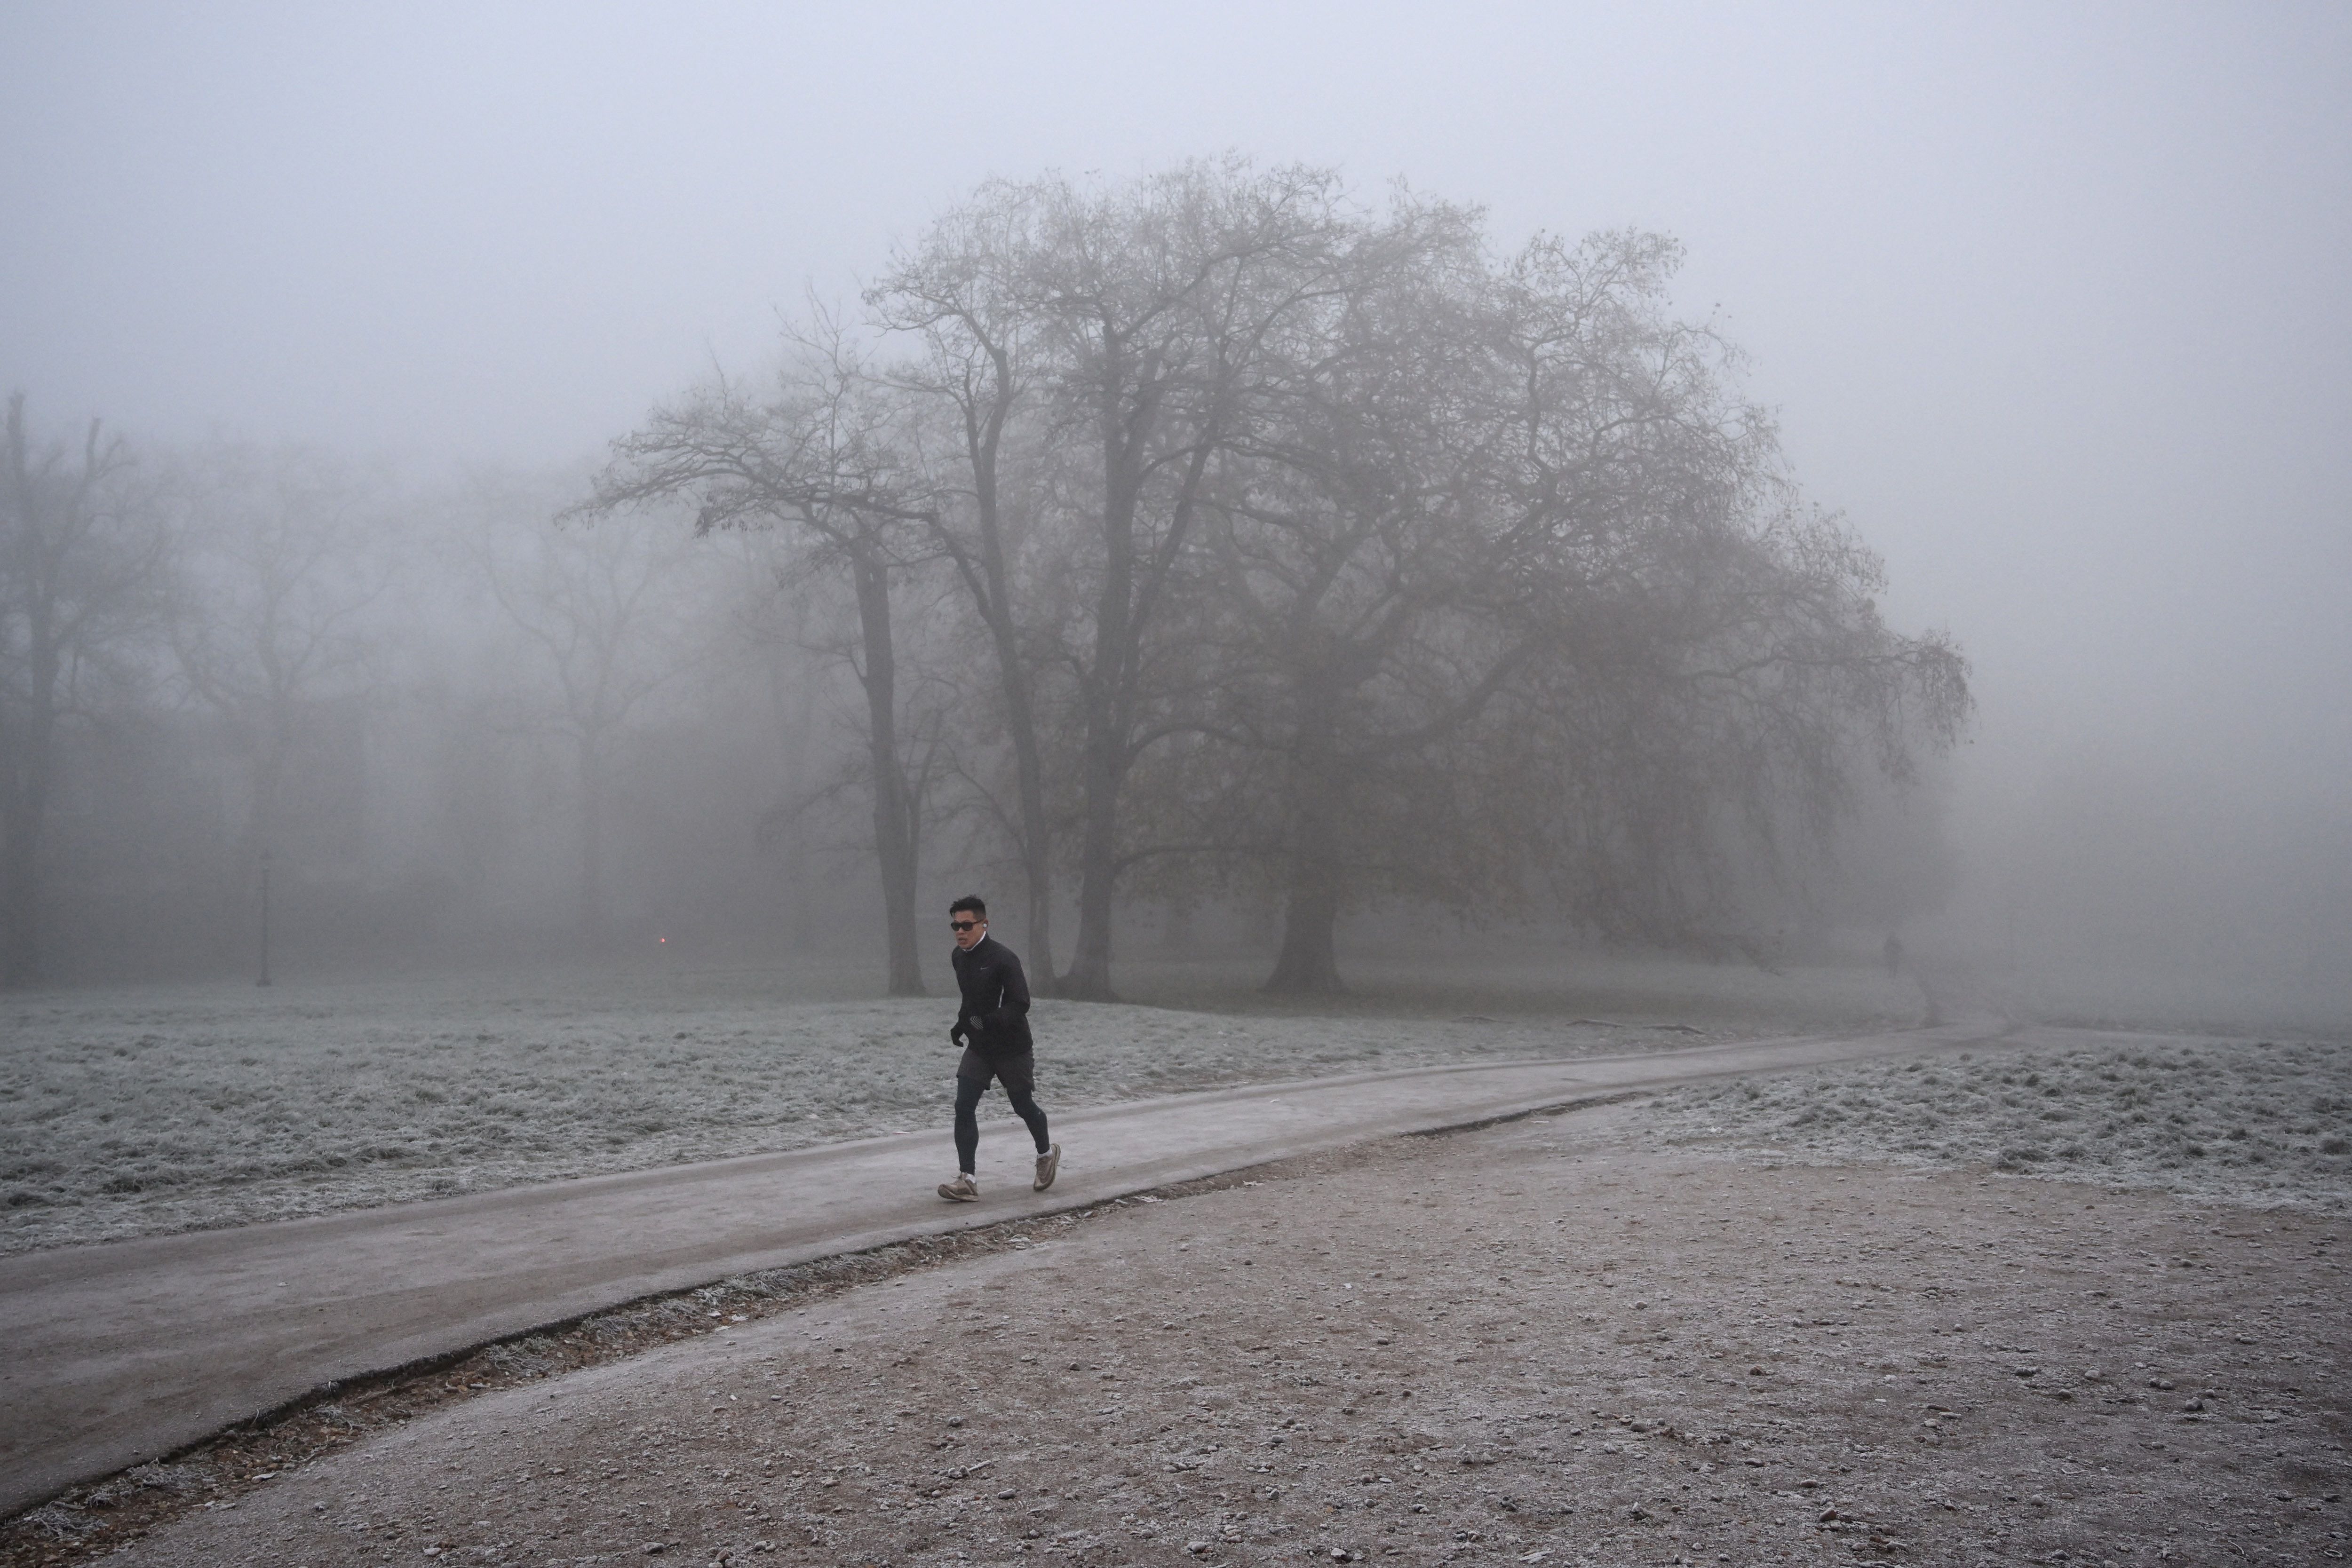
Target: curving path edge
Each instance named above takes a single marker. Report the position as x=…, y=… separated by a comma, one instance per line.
x=123, y=1352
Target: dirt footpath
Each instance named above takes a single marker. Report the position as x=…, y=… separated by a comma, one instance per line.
x=1544, y=1342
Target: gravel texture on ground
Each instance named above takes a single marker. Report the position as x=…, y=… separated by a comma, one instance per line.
x=2249, y=1122
x=142, y=1110
x=1552, y=1341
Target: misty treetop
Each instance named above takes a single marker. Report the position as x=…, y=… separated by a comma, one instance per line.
x=1215, y=533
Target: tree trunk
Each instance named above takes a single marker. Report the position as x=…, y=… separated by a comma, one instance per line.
x=23, y=809
x=1106, y=746
x=1036, y=843
x=591, y=843
x=1037, y=830
x=1089, y=976
x=28, y=746
x=792, y=718
x=894, y=816
x=1107, y=686
x=271, y=746
x=29, y=760
x=1308, y=964
x=1122, y=617
x=994, y=592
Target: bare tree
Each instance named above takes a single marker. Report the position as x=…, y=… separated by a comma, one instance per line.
x=1724, y=667
x=1156, y=306
x=1322, y=542
x=596, y=603
x=964, y=293
x=79, y=564
x=820, y=458
x=278, y=559
x=1366, y=600
x=1480, y=512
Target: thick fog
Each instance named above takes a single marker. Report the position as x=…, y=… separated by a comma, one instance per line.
x=2044, y=310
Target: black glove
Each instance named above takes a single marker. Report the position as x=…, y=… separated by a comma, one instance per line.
x=956, y=1033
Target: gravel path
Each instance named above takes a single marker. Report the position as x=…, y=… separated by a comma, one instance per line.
x=1554, y=1341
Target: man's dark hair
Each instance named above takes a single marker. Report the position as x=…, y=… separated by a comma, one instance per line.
x=971, y=901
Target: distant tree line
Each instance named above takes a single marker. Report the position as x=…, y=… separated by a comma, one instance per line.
x=448, y=724
x=1211, y=531
x=1205, y=538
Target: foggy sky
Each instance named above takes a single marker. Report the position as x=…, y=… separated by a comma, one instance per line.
x=2051, y=300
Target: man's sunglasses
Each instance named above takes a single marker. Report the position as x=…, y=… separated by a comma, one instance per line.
x=964, y=924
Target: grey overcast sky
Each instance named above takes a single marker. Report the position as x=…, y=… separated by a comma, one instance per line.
x=2053, y=298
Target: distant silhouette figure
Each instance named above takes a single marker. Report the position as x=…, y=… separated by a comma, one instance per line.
x=1893, y=953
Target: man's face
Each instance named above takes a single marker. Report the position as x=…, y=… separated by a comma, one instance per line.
x=967, y=927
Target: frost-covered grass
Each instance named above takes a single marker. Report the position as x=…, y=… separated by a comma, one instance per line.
x=1512, y=976
x=134, y=1111
x=2244, y=1121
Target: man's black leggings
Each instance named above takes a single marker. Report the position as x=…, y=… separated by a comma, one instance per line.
x=1017, y=1076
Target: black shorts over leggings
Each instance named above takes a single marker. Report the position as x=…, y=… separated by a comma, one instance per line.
x=1019, y=1076
x=1019, y=1073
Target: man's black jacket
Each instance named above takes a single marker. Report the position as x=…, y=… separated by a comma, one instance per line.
x=995, y=999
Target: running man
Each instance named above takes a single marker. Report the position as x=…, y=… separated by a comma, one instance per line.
x=992, y=1026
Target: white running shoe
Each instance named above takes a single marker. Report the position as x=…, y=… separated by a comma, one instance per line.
x=963, y=1189
x=1047, y=1164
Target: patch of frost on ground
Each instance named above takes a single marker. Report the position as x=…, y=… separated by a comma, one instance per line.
x=2257, y=1122
x=135, y=1112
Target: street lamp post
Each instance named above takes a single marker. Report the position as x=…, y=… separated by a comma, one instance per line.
x=264, y=979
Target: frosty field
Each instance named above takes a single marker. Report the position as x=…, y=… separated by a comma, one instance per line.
x=137, y=1111
x=1725, y=1316
x=1546, y=1340
x=2250, y=1121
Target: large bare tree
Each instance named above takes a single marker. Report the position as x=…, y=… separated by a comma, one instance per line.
x=1729, y=670
x=1480, y=505
x=1134, y=323
x=1323, y=541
